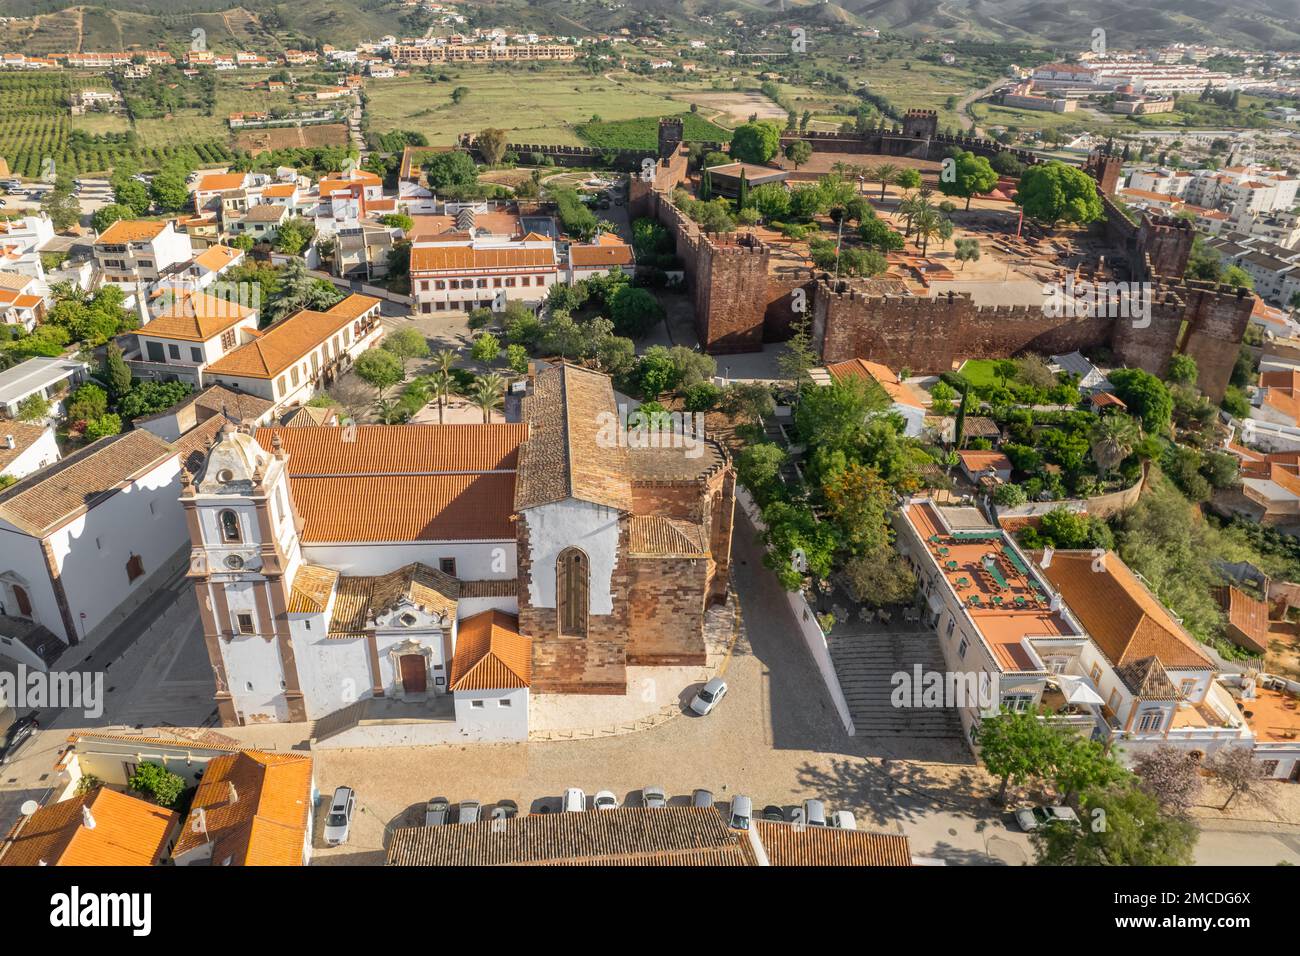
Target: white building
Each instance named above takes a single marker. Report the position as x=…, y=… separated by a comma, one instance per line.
x=134, y=253
x=26, y=447
x=48, y=377
x=457, y=272
x=82, y=533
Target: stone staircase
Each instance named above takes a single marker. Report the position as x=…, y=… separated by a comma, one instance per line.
x=865, y=664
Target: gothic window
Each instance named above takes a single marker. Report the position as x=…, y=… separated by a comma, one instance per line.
x=571, y=592
x=229, y=526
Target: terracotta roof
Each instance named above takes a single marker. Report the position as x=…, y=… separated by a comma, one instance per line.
x=397, y=449
x=220, y=182
x=491, y=654
x=620, y=837
x=130, y=230
x=445, y=258
x=1103, y=399
x=195, y=317
x=1126, y=620
x=899, y=392
x=25, y=434
x=1247, y=614
x=1147, y=679
x=662, y=537
x=216, y=258
x=563, y=456
x=359, y=599
x=312, y=587
x=308, y=415
x=497, y=587
x=280, y=190
x=192, y=447
x=54, y=495
x=654, y=465
x=240, y=405
x=600, y=257
x=790, y=845
x=15, y=280
x=975, y=460
x=253, y=807
x=127, y=832
x=287, y=341
x=265, y=212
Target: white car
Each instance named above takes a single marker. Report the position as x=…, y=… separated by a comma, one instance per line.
x=708, y=696
x=605, y=800
x=575, y=801
x=339, y=822
x=843, y=820
x=1035, y=818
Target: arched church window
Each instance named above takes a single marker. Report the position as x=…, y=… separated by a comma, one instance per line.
x=571, y=592
x=229, y=526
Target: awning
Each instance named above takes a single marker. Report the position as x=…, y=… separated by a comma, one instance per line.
x=1077, y=691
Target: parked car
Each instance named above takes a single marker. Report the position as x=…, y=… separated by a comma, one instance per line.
x=773, y=813
x=437, y=812
x=814, y=813
x=654, y=797
x=18, y=734
x=505, y=809
x=709, y=695
x=1035, y=818
x=468, y=811
x=702, y=798
x=844, y=820
x=742, y=812
x=605, y=800
x=575, y=801
x=339, y=822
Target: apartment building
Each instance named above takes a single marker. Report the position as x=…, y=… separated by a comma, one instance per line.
x=189, y=331
x=289, y=360
x=23, y=300
x=454, y=271
x=422, y=52
x=132, y=252
x=1073, y=634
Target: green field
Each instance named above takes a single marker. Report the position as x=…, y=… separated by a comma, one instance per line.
x=980, y=373
x=643, y=132
x=542, y=107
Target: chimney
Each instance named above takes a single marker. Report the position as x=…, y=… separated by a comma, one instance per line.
x=87, y=818
x=234, y=794
x=1047, y=556
x=9, y=441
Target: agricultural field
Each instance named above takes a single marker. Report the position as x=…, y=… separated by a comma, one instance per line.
x=643, y=132
x=542, y=107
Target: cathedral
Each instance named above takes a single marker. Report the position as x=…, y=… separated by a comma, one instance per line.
x=462, y=566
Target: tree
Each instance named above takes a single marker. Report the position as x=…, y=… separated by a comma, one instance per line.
x=61, y=205
x=756, y=141
x=105, y=216
x=486, y=394
x=517, y=359
x=879, y=578
x=149, y=398
x=1054, y=192
x=34, y=408
x=967, y=250
x=971, y=176
x=1146, y=396
x=1082, y=765
x=168, y=188
x=379, y=368
x=116, y=375
x=87, y=402
x=293, y=236
x=1112, y=439
x=406, y=343
x=1017, y=747
x=1122, y=826
x=884, y=173
x=459, y=94
x=797, y=544
x=1182, y=370
x=1009, y=495
x=1171, y=775
x=1236, y=770
x=616, y=355
x=450, y=171
x=157, y=783
x=132, y=194
x=758, y=467
x=491, y=143
x=876, y=232
x=635, y=312
x=398, y=220
x=798, y=357
x=441, y=383
x=486, y=348
x=107, y=424
x=798, y=152
x=906, y=179
x=858, y=501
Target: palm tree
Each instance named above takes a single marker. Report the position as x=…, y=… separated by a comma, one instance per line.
x=927, y=227
x=911, y=208
x=441, y=384
x=487, y=393
x=1112, y=439
x=444, y=360
x=884, y=174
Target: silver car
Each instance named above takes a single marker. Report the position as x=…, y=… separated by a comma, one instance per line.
x=436, y=812
x=339, y=821
x=702, y=798
x=742, y=812
x=654, y=797
x=1035, y=818
x=469, y=811
x=814, y=813
x=709, y=695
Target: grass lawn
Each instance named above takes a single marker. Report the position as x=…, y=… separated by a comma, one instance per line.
x=980, y=372
x=541, y=107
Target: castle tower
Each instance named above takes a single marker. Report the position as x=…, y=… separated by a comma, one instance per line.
x=244, y=552
x=671, y=135
x=1104, y=168
x=921, y=124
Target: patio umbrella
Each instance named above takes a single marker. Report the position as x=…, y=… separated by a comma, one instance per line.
x=1076, y=691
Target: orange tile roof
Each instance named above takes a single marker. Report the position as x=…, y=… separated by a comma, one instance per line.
x=127, y=832
x=898, y=391
x=1287, y=380
x=25, y=434
x=312, y=587
x=589, y=257
x=280, y=190
x=786, y=844
x=661, y=536
x=195, y=317
x=358, y=600
x=216, y=258
x=444, y=258
x=976, y=460
x=325, y=451
x=1284, y=401
x=1247, y=614
x=1125, y=620
x=286, y=342
x=491, y=654
x=253, y=807
x=130, y=230
x=220, y=182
